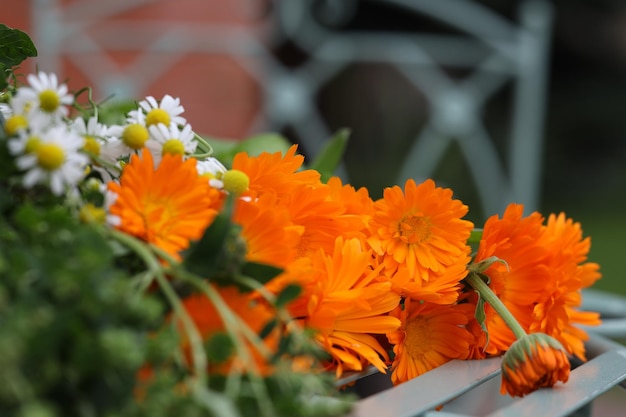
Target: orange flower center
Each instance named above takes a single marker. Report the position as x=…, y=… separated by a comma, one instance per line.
x=414, y=229
x=417, y=335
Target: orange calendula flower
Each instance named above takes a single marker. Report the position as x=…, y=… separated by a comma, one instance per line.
x=249, y=312
x=322, y=218
x=521, y=279
x=270, y=235
x=168, y=206
x=430, y=335
x=555, y=312
x=534, y=361
x=441, y=288
x=348, y=306
x=421, y=228
x=275, y=172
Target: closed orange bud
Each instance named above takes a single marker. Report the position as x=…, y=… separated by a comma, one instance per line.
x=532, y=362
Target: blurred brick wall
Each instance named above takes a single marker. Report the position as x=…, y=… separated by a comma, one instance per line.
x=151, y=47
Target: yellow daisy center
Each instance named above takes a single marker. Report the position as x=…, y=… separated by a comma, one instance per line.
x=92, y=145
x=32, y=143
x=414, y=229
x=235, y=181
x=135, y=136
x=173, y=147
x=92, y=214
x=50, y=156
x=49, y=100
x=14, y=124
x=156, y=116
x=416, y=338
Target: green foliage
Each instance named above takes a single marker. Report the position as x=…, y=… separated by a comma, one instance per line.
x=331, y=155
x=15, y=47
x=92, y=322
x=74, y=332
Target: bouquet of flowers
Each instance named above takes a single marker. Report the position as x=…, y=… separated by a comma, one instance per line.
x=146, y=270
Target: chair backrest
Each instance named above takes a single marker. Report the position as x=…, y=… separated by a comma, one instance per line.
x=492, y=49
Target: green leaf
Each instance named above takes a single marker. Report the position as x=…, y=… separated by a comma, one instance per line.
x=203, y=257
x=260, y=272
x=264, y=142
x=15, y=46
x=267, y=329
x=226, y=149
x=330, y=157
x=482, y=266
x=219, y=347
x=3, y=85
x=289, y=293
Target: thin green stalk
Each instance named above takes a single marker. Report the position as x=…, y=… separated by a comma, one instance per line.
x=475, y=236
x=204, y=145
x=153, y=265
x=490, y=297
x=235, y=328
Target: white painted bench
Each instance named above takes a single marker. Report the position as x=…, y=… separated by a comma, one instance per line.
x=471, y=388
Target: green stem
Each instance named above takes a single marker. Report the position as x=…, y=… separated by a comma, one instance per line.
x=475, y=236
x=155, y=267
x=490, y=297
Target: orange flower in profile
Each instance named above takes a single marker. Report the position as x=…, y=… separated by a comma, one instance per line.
x=209, y=323
x=275, y=172
x=168, y=206
x=421, y=228
x=439, y=289
x=356, y=202
x=430, y=335
x=270, y=235
x=534, y=361
x=518, y=283
x=348, y=306
x=555, y=312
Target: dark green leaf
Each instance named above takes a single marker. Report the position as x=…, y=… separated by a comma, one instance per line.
x=204, y=255
x=15, y=46
x=260, y=272
x=219, y=347
x=3, y=85
x=330, y=157
x=267, y=329
x=289, y=293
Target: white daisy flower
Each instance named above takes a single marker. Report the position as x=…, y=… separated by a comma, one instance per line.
x=170, y=140
x=109, y=199
x=101, y=141
x=93, y=132
x=5, y=111
x=167, y=111
x=128, y=139
x=26, y=140
x=56, y=160
x=212, y=169
x=44, y=95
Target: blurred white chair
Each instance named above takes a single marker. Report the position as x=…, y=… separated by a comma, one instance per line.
x=494, y=50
